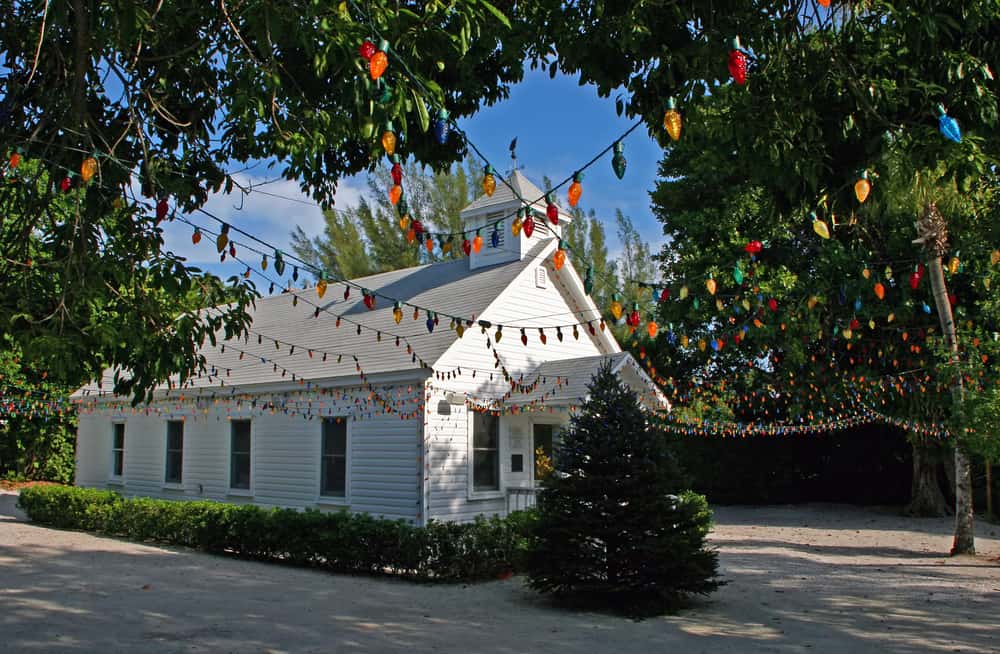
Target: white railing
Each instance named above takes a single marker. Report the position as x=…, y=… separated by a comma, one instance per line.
x=520, y=498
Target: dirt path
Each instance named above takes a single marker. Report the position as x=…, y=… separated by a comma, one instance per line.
x=802, y=579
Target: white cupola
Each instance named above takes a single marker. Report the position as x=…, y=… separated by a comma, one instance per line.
x=498, y=212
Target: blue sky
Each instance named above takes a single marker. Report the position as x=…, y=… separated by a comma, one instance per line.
x=559, y=126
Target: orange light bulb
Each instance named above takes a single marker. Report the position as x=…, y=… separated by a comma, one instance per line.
x=575, y=190
x=88, y=169
x=379, y=61
x=389, y=140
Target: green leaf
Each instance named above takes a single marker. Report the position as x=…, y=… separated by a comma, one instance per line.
x=497, y=13
x=422, y=115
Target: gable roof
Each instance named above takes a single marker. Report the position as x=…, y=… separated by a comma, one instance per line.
x=447, y=287
x=503, y=195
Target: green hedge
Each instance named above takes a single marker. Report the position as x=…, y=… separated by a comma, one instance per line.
x=340, y=541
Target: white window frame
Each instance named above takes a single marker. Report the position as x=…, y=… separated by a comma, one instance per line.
x=335, y=500
x=502, y=451
x=242, y=492
x=173, y=485
x=112, y=477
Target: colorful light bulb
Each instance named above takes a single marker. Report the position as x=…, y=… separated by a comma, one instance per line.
x=710, y=285
x=162, y=207
x=66, y=184
x=672, y=120
x=616, y=306
x=429, y=244
x=477, y=242
x=379, y=61
x=559, y=258
x=652, y=328
x=466, y=246
x=321, y=285
x=528, y=226
x=948, y=125
x=819, y=226
x=862, y=187
x=588, y=281
x=395, y=193
x=495, y=236
x=279, y=263
x=223, y=238
x=515, y=226
x=404, y=222
x=389, y=140
x=441, y=127
x=575, y=190
x=447, y=245
x=396, y=172
x=88, y=169
x=551, y=210
x=618, y=162
x=489, y=181
x=753, y=247
x=15, y=160
x=737, y=62
x=196, y=237
x=367, y=49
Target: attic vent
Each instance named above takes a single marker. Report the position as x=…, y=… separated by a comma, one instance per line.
x=541, y=279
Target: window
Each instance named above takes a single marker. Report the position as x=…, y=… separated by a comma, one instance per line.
x=118, y=450
x=485, y=452
x=175, y=452
x=333, y=463
x=542, y=436
x=239, y=454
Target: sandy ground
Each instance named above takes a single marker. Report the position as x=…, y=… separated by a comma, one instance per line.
x=801, y=579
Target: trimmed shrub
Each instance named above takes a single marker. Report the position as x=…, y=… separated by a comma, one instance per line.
x=614, y=527
x=339, y=541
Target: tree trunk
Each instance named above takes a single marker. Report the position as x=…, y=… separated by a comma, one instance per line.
x=989, y=489
x=926, y=498
x=964, y=541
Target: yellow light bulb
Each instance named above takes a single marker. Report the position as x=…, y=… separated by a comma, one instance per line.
x=489, y=184
x=710, y=285
x=616, y=309
x=820, y=227
x=672, y=120
x=321, y=288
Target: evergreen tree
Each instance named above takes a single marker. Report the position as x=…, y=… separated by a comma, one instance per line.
x=615, y=527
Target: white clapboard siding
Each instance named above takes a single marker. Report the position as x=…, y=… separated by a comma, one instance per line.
x=384, y=460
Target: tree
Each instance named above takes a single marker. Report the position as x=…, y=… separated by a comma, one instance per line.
x=116, y=116
x=37, y=435
x=614, y=526
x=367, y=239
x=824, y=105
